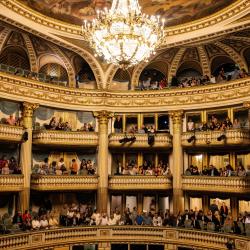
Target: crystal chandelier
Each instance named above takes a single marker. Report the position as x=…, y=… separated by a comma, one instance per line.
x=122, y=35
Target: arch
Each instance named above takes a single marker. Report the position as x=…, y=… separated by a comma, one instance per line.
x=246, y=55
x=4, y=36
x=204, y=60
x=121, y=80
x=55, y=70
x=49, y=58
x=218, y=61
x=189, y=67
x=15, y=56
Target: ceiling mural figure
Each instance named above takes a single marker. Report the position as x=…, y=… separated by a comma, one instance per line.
x=175, y=12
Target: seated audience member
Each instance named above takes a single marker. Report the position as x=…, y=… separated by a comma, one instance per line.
x=12, y=164
x=11, y=120
x=62, y=167
x=213, y=171
x=26, y=220
x=52, y=124
x=104, y=220
x=35, y=223
x=190, y=125
x=228, y=123
x=236, y=124
x=118, y=124
x=248, y=170
x=74, y=167
x=52, y=168
x=112, y=220
x=60, y=124
x=66, y=127
x=90, y=128
x=3, y=162
x=213, y=207
x=189, y=170
x=17, y=170
x=18, y=219
x=241, y=171
x=5, y=169
x=53, y=223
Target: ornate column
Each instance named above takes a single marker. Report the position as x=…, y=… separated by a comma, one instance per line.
x=26, y=152
x=178, y=199
x=247, y=105
x=102, y=192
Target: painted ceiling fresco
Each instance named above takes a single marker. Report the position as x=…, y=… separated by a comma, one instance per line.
x=175, y=12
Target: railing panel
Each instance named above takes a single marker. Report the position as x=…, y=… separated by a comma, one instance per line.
x=11, y=133
x=220, y=184
x=11, y=183
x=162, y=140
x=63, y=182
x=140, y=182
x=54, y=137
x=210, y=138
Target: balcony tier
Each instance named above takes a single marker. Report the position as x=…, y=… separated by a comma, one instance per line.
x=65, y=138
x=140, y=182
x=127, y=234
x=162, y=140
x=11, y=183
x=219, y=184
x=11, y=133
x=63, y=182
x=239, y=137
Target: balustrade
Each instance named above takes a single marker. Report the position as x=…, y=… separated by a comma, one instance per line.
x=240, y=137
x=162, y=140
x=54, y=137
x=11, y=133
x=220, y=184
x=126, y=234
x=140, y=182
x=63, y=182
x=11, y=183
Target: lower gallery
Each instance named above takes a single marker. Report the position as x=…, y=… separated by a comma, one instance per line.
x=151, y=157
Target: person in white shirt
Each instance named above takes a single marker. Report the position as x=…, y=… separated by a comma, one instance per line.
x=112, y=221
x=117, y=216
x=190, y=125
x=157, y=220
x=35, y=223
x=96, y=216
x=104, y=220
x=44, y=223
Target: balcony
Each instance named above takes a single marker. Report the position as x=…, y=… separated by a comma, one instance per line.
x=239, y=137
x=172, y=237
x=162, y=140
x=63, y=182
x=65, y=138
x=11, y=133
x=219, y=184
x=11, y=183
x=140, y=182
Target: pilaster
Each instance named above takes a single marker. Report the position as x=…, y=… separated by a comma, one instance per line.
x=102, y=192
x=178, y=199
x=26, y=152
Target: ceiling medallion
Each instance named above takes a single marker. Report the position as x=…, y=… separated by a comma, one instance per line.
x=123, y=35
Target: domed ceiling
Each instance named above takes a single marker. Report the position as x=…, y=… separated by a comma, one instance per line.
x=175, y=12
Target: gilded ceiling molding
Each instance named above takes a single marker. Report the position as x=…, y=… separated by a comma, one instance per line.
x=67, y=63
x=241, y=38
x=16, y=87
x=233, y=54
x=4, y=36
x=175, y=63
x=225, y=15
x=109, y=75
x=31, y=52
x=204, y=61
x=86, y=55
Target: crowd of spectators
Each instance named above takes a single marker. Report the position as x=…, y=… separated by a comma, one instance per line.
x=185, y=82
x=147, y=168
x=9, y=166
x=12, y=120
x=211, y=170
x=86, y=167
x=217, y=218
x=214, y=124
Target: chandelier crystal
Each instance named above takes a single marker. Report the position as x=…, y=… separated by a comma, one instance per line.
x=123, y=35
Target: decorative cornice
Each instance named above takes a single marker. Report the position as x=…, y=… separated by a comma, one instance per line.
x=23, y=89
x=103, y=116
x=176, y=116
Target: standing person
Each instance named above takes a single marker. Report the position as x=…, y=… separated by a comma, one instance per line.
x=74, y=167
x=118, y=124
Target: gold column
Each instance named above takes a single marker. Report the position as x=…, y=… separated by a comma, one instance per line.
x=205, y=203
x=232, y=159
x=247, y=105
x=102, y=192
x=230, y=113
x=123, y=123
x=26, y=152
x=156, y=121
x=204, y=116
x=178, y=199
x=234, y=206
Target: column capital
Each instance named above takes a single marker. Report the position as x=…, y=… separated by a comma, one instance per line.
x=176, y=116
x=246, y=105
x=28, y=109
x=103, y=116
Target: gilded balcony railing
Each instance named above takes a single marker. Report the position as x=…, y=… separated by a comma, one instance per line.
x=220, y=184
x=139, y=182
x=161, y=140
x=52, y=137
x=173, y=237
x=11, y=183
x=11, y=133
x=216, y=138
x=63, y=182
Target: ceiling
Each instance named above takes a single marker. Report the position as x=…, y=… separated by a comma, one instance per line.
x=175, y=12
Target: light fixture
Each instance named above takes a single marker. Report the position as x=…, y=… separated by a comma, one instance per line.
x=123, y=35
